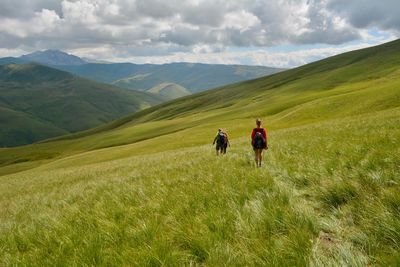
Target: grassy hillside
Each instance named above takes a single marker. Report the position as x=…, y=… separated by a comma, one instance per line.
x=43, y=102
x=169, y=91
x=193, y=77
x=148, y=190
x=20, y=128
x=320, y=200
x=165, y=90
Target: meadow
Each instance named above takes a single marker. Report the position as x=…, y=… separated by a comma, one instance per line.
x=148, y=189
x=319, y=200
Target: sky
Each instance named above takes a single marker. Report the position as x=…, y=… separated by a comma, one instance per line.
x=276, y=33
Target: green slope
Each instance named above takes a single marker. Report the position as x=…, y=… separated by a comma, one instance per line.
x=328, y=194
x=62, y=101
x=169, y=91
x=21, y=128
x=193, y=76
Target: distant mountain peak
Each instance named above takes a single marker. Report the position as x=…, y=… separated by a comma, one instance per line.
x=53, y=57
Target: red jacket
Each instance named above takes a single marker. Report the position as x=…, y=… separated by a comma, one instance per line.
x=262, y=131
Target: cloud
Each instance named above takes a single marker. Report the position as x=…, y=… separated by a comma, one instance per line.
x=27, y=8
x=141, y=28
x=240, y=20
x=369, y=13
x=42, y=22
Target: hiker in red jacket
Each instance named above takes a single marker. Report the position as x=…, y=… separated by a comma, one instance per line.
x=259, y=141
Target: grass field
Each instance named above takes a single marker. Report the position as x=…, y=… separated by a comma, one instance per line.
x=320, y=199
x=148, y=190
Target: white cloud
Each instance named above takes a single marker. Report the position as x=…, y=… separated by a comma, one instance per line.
x=368, y=13
x=42, y=22
x=192, y=29
x=240, y=20
x=80, y=12
x=215, y=22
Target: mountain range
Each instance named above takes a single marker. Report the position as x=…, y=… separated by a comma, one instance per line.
x=194, y=77
x=53, y=57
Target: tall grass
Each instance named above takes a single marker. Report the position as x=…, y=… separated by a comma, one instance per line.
x=327, y=195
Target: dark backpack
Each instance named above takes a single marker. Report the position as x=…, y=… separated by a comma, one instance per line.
x=259, y=141
x=221, y=139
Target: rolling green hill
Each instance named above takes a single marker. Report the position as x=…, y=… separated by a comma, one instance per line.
x=169, y=91
x=21, y=128
x=192, y=76
x=40, y=102
x=147, y=189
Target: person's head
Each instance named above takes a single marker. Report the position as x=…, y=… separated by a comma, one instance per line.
x=258, y=122
x=219, y=130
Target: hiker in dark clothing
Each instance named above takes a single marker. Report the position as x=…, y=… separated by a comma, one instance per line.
x=221, y=141
x=259, y=141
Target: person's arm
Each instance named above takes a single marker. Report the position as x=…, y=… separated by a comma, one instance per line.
x=253, y=133
x=215, y=139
